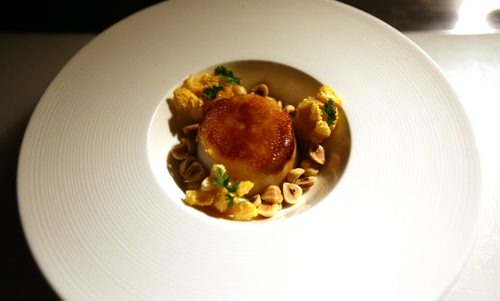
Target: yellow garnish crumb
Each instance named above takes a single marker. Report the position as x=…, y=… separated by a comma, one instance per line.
x=187, y=103
x=311, y=121
x=201, y=198
x=194, y=84
x=325, y=93
x=243, y=210
x=188, y=99
x=228, y=200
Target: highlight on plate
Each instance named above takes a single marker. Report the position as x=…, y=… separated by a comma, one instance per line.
x=246, y=155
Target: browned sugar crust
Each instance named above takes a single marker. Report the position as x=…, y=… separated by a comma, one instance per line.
x=249, y=128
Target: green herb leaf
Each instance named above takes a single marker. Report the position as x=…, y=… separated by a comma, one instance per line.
x=230, y=200
x=221, y=180
x=211, y=92
x=227, y=75
x=330, y=111
x=234, y=187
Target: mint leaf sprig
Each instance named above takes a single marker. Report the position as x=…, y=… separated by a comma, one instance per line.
x=222, y=180
x=211, y=92
x=330, y=111
x=227, y=75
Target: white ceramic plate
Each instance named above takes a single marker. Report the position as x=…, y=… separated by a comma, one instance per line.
x=105, y=220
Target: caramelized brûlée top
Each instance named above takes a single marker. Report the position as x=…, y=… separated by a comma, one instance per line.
x=249, y=128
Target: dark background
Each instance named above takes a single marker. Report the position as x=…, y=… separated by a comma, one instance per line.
x=94, y=16
x=23, y=280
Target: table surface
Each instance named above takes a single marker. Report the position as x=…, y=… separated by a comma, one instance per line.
x=471, y=63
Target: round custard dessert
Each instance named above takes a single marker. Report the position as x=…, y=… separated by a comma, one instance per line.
x=251, y=136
